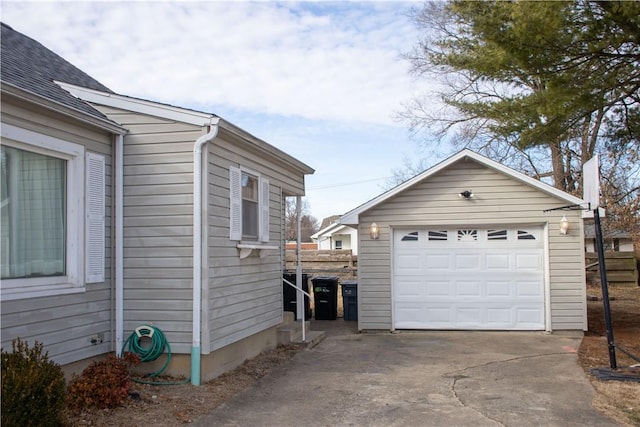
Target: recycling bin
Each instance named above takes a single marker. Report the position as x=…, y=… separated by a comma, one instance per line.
x=289, y=297
x=350, y=299
x=325, y=297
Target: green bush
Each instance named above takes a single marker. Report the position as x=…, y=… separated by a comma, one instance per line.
x=103, y=384
x=33, y=387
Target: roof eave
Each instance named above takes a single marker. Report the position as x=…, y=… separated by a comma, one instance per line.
x=267, y=148
x=180, y=114
x=49, y=104
x=139, y=105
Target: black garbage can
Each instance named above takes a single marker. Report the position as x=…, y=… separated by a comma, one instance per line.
x=350, y=299
x=289, y=297
x=325, y=297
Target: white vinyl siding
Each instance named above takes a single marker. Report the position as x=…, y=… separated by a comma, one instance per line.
x=499, y=200
x=241, y=297
x=158, y=224
x=244, y=296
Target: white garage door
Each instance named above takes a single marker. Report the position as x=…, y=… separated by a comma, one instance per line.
x=469, y=278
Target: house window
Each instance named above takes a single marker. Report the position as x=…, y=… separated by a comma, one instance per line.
x=34, y=214
x=615, y=245
x=338, y=244
x=249, y=206
x=45, y=248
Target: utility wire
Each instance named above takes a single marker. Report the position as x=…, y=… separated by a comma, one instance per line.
x=345, y=184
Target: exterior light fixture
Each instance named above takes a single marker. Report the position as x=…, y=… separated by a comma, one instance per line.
x=564, y=225
x=374, y=231
x=466, y=194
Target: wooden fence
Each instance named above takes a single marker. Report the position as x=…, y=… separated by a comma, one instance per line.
x=341, y=263
x=622, y=268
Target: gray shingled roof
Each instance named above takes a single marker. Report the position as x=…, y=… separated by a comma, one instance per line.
x=30, y=66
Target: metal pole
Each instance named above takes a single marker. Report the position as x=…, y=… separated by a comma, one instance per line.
x=605, y=290
x=300, y=301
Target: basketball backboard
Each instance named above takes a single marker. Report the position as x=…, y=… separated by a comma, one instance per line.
x=591, y=183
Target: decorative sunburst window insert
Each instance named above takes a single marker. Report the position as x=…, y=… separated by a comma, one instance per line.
x=410, y=237
x=467, y=235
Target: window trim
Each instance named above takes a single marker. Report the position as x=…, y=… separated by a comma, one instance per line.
x=74, y=154
x=236, y=203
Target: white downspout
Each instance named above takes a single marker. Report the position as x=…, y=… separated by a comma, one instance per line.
x=119, y=237
x=197, y=248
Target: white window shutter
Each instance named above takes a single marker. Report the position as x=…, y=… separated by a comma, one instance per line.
x=264, y=210
x=95, y=218
x=235, y=203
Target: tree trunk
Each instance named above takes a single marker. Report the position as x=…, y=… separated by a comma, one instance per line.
x=557, y=164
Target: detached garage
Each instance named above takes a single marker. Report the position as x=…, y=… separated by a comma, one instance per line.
x=470, y=244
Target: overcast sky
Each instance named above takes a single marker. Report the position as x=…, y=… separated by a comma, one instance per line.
x=319, y=80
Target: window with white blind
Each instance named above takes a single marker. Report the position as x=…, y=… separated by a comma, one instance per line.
x=249, y=206
x=45, y=248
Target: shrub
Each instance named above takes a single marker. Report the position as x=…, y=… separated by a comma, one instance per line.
x=103, y=384
x=33, y=387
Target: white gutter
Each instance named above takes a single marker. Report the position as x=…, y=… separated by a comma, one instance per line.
x=197, y=248
x=119, y=237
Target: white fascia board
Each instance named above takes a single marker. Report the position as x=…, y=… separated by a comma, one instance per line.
x=353, y=216
x=138, y=105
x=327, y=231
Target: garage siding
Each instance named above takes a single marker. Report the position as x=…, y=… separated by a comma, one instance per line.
x=498, y=199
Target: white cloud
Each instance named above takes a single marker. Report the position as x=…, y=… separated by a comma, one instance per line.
x=335, y=61
x=318, y=80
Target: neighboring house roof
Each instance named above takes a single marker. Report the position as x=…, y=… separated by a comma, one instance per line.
x=352, y=217
x=29, y=66
x=184, y=115
x=590, y=232
x=329, y=220
x=329, y=231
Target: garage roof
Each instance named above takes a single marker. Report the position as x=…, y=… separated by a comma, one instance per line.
x=353, y=217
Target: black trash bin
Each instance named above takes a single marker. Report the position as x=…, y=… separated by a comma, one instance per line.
x=289, y=297
x=350, y=299
x=325, y=297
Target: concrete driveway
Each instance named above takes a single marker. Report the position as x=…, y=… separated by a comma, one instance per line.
x=422, y=379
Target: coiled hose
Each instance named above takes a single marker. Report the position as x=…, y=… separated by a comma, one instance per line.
x=156, y=344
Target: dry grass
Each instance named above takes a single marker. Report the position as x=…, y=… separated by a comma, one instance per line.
x=617, y=399
x=181, y=404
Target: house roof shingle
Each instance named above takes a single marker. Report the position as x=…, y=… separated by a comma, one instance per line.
x=28, y=65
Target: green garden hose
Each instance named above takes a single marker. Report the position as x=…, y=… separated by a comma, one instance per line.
x=155, y=347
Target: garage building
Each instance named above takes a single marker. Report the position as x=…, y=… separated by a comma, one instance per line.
x=472, y=245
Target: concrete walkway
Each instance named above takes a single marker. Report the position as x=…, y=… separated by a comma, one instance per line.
x=422, y=379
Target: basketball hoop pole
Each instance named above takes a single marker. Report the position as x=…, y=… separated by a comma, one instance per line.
x=591, y=195
x=605, y=290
